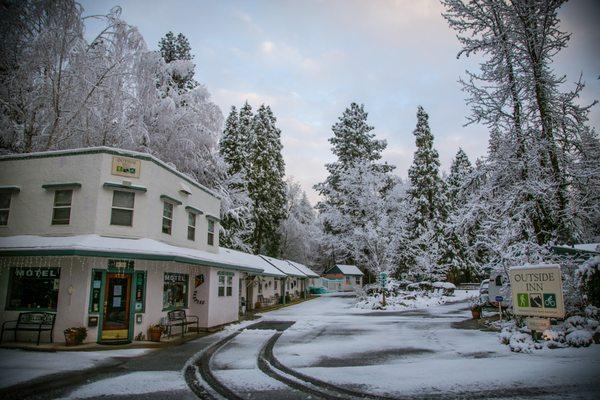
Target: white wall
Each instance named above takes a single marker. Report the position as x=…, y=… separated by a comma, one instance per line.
x=72, y=310
x=31, y=208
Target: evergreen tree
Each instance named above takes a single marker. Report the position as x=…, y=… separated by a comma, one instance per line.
x=352, y=143
x=229, y=145
x=266, y=185
x=454, y=250
x=176, y=52
x=426, y=199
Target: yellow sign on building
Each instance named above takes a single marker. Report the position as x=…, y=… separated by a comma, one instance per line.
x=125, y=166
x=537, y=291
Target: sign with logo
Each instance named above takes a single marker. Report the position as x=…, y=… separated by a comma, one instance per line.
x=125, y=166
x=537, y=291
x=173, y=277
x=499, y=298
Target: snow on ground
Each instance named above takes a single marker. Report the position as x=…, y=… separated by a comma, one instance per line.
x=17, y=366
x=417, y=351
x=236, y=363
x=132, y=383
x=410, y=300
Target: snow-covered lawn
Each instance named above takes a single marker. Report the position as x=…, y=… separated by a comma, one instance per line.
x=17, y=366
x=410, y=300
x=417, y=351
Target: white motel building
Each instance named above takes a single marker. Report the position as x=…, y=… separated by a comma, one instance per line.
x=112, y=240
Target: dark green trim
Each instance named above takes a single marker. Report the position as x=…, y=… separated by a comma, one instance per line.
x=68, y=185
x=101, y=312
x=194, y=210
x=164, y=197
x=112, y=151
x=10, y=189
x=560, y=250
x=212, y=217
x=112, y=254
x=144, y=289
x=114, y=185
x=90, y=310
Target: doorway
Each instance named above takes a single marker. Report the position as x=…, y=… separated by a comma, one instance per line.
x=117, y=302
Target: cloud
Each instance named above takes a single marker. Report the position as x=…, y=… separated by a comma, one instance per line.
x=267, y=47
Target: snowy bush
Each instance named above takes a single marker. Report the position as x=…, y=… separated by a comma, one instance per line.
x=579, y=338
x=588, y=279
x=574, y=323
x=520, y=342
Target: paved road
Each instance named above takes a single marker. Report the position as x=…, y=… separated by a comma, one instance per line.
x=324, y=349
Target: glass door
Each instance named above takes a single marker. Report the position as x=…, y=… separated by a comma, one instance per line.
x=117, y=296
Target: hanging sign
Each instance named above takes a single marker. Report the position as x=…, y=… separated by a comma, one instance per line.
x=125, y=166
x=537, y=291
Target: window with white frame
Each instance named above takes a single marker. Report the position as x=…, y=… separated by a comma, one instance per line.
x=61, y=212
x=274, y=284
x=167, y=219
x=191, y=230
x=122, y=208
x=4, y=208
x=225, y=284
x=211, y=232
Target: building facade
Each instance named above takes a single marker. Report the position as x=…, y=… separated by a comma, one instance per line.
x=350, y=276
x=113, y=240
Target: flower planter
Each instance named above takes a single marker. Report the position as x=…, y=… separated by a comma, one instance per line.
x=71, y=340
x=476, y=313
x=257, y=305
x=154, y=334
x=75, y=336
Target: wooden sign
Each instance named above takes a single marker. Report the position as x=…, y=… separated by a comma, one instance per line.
x=537, y=291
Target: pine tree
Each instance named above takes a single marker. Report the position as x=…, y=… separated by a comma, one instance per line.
x=266, y=185
x=176, y=52
x=352, y=143
x=426, y=197
x=230, y=143
x=454, y=249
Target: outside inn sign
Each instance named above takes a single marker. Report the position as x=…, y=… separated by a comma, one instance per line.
x=537, y=291
x=125, y=166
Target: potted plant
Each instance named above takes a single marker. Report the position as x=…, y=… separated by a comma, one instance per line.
x=257, y=305
x=155, y=332
x=476, y=309
x=75, y=335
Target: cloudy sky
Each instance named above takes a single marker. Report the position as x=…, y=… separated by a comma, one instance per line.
x=309, y=59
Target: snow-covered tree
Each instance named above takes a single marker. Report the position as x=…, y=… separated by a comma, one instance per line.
x=529, y=194
x=427, y=203
x=299, y=232
x=176, y=51
x=353, y=143
x=266, y=185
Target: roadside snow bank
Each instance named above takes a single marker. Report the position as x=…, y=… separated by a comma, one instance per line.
x=407, y=300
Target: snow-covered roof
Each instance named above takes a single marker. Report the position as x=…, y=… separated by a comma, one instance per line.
x=284, y=267
x=104, y=246
x=304, y=269
x=114, y=151
x=593, y=247
x=349, y=269
x=258, y=262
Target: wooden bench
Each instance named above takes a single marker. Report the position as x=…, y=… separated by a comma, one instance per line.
x=179, y=318
x=32, y=321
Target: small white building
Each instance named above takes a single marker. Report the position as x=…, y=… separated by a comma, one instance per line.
x=113, y=240
x=351, y=276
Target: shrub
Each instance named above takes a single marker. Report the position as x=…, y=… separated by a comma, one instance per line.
x=579, y=338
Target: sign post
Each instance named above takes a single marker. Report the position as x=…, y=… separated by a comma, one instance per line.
x=500, y=299
x=383, y=284
x=537, y=292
